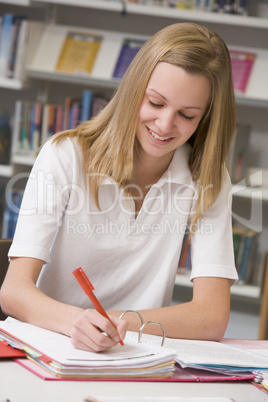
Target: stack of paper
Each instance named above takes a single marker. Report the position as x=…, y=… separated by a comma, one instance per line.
x=58, y=356
x=215, y=356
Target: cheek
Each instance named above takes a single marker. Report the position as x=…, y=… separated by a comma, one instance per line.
x=146, y=113
x=187, y=129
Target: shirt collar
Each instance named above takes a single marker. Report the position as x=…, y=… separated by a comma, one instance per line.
x=178, y=171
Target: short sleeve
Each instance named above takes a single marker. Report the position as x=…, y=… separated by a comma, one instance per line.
x=212, y=251
x=44, y=201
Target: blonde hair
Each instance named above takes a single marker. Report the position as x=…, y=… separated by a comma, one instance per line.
x=108, y=140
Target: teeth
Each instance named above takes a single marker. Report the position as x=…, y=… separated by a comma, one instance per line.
x=159, y=138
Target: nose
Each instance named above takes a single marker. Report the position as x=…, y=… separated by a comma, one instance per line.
x=165, y=121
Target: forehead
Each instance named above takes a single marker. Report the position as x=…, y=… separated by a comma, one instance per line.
x=173, y=83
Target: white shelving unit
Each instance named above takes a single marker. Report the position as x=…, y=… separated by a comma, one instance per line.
x=166, y=12
x=256, y=193
x=251, y=292
x=6, y=170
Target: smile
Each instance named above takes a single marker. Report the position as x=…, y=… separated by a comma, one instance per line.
x=158, y=137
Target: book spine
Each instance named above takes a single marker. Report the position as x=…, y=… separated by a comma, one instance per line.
x=5, y=43
x=21, y=50
x=87, y=97
x=5, y=139
x=13, y=203
x=13, y=49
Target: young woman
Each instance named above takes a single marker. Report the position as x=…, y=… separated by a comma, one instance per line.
x=116, y=195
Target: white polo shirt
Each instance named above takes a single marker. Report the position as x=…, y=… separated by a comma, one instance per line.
x=131, y=262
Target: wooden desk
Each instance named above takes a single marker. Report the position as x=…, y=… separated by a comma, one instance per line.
x=19, y=385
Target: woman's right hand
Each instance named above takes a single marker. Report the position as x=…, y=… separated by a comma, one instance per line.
x=95, y=333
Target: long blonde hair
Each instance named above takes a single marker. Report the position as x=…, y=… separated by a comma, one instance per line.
x=108, y=140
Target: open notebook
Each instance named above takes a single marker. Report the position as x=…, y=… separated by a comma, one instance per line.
x=55, y=353
x=51, y=356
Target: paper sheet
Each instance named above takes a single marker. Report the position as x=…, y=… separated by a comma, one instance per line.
x=190, y=353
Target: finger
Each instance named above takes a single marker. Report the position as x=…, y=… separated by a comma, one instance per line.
x=87, y=332
x=92, y=340
x=121, y=326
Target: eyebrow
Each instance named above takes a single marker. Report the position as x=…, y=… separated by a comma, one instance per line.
x=163, y=97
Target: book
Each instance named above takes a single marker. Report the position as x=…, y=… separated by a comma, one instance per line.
x=245, y=243
x=242, y=7
x=21, y=50
x=78, y=53
x=129, y=49
x=74, y=118
x=5, y=139
x=49, y=121
x=185, y=257
x=16, y=24
x=34, y=137
x=242, y=65
x=16, y=127
x=87, y=98
x=12, y=207
x=5, y=42
x=98, y=103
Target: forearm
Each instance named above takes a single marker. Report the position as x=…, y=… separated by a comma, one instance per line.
x=20, y=298
x=184, y=321
x=38, y=309
x=205, y=317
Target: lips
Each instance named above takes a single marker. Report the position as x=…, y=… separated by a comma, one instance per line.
x=158, y=137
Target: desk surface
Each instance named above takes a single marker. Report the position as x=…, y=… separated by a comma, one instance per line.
x=19, y=385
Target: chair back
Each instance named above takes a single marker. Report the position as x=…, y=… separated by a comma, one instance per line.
x=4, y=247
x=263, y=327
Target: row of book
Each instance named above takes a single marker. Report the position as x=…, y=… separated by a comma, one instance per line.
x=239, y=7
x=14, y=30
x=86, y=46
x=247, y=256
x=35, y=122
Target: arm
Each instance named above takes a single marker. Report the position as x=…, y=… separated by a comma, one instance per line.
x=205, y=317
x=21, y=299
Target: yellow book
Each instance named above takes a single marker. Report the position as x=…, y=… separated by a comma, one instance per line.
x=78, y=53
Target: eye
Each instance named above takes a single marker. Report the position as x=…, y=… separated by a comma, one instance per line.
x=190, y=118
x=154, y=104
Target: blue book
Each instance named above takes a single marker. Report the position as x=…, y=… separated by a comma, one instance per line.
x=86, y=107
x=248, y=246
x=13, y=203
x=5, y=42
x=16, y=24
x=128, y=51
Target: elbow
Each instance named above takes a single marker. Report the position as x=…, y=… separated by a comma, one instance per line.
x=5, y=301
x=215, y=328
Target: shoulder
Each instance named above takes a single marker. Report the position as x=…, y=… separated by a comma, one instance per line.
x=66, y=149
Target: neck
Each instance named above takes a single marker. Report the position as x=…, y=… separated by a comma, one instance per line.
x=148, y=169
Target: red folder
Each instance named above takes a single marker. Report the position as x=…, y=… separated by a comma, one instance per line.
x=7, y=351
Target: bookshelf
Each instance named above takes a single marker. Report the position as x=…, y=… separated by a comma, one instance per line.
x=140, y=21
x=165, y=12
x=251, y=292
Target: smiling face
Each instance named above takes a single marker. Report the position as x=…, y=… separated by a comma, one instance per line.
x=174, y=103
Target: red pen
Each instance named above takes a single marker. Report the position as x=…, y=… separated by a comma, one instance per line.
x=88, y=288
